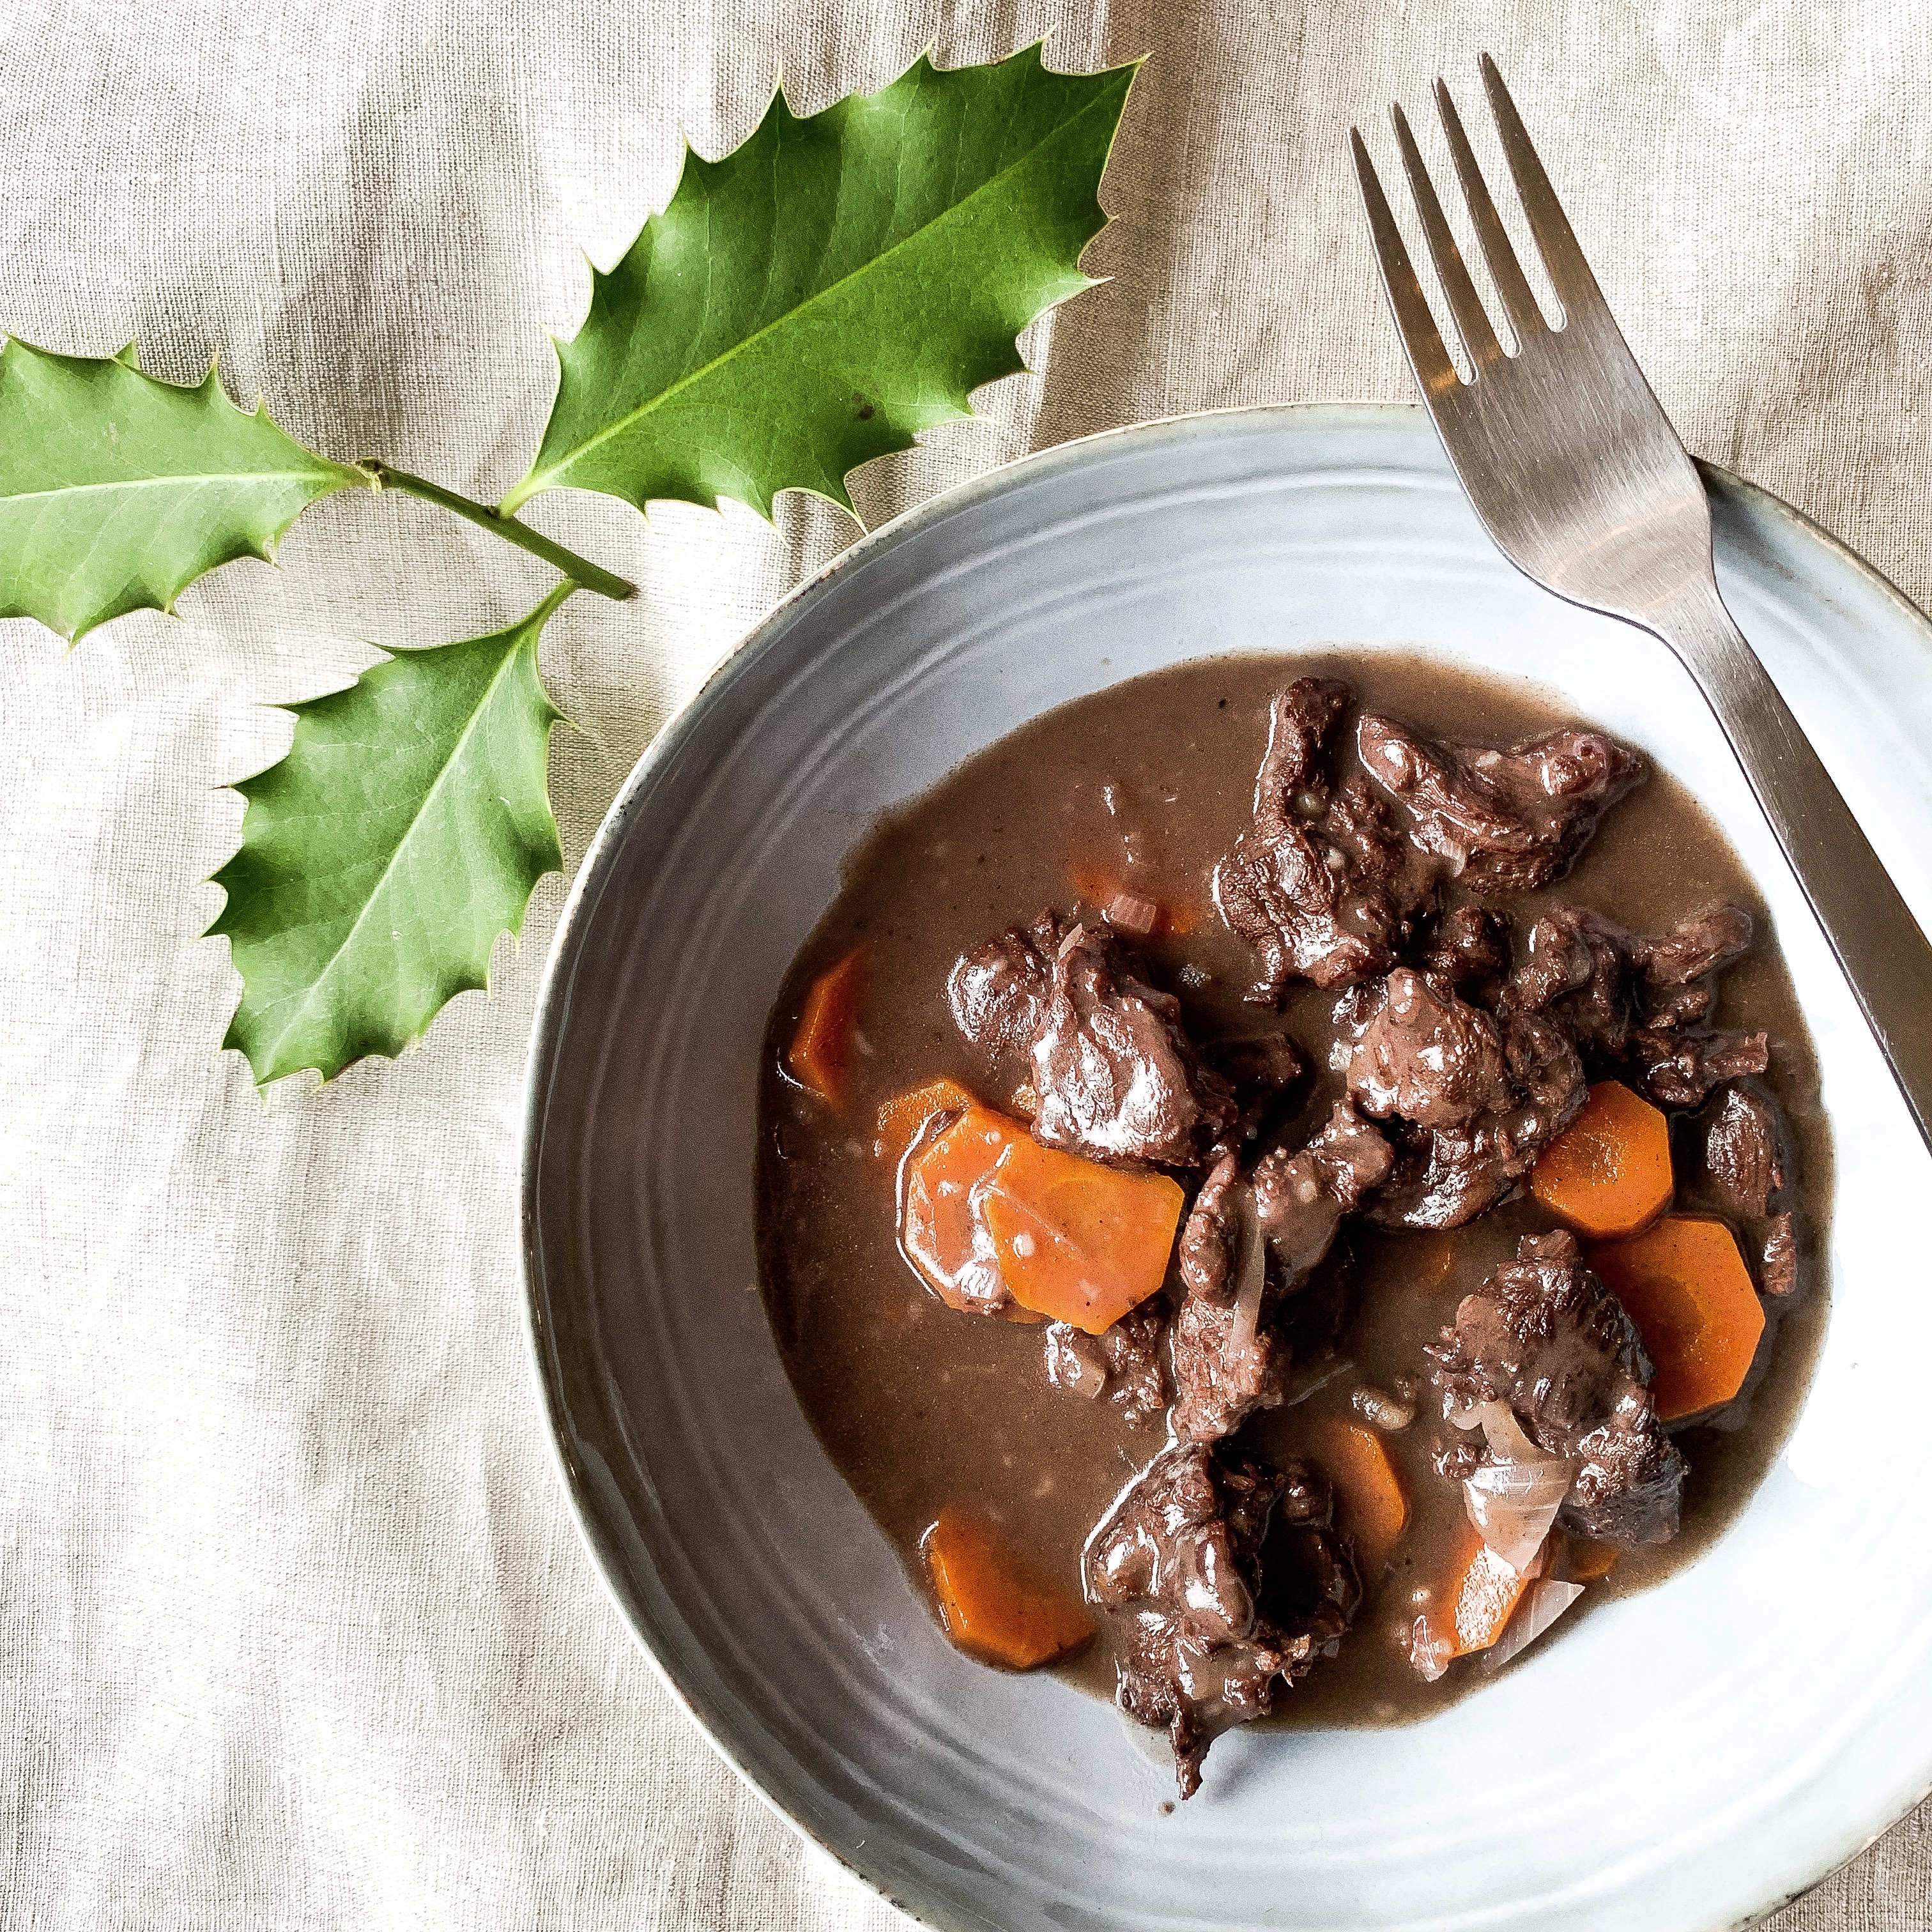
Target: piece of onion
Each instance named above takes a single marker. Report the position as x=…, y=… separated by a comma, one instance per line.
x=1430, y=1655
x=1543, y=1603
x=1131, y=913
x=1505, y=1436
x=1250, y=1274
x=1512, y=1505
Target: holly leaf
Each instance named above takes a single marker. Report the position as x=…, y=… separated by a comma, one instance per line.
x=117, y=490
x=833, y=287
x=405, y=829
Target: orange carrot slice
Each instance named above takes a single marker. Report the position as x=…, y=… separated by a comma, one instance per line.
x=1078, y=1242
x=1685, y=1285
x=1609, y=1172
x=937, y=1229
x=1480, y=1594
x=995, y=1605
x=820, y=1056
x=1584, y=1561
x=903, y=1117
x=1487, y=1592
x=1371, y=1506
x=1431, y=1258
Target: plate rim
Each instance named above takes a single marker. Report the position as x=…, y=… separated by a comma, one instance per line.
x=552, y=1002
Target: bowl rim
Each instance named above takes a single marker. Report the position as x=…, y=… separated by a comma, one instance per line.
x=551, y=1007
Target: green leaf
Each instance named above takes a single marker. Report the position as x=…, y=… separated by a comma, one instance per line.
x=405, y=829
x=117, y=490
x=833, y=287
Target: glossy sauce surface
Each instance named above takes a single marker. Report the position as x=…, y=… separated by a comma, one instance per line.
x=1146, y=786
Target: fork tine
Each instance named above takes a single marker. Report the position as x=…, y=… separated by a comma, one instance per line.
x=1518, y=299
x=1570, y=274
x=1465, y=304
x=1417, y=326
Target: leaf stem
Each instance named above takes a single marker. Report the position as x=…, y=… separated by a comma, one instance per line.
x=579, y=569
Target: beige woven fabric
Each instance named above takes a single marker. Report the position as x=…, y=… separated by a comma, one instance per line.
x=294, y=1630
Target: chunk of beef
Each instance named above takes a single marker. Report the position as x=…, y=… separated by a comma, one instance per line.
x=1468, y=947
x=1502, y=820
x=1122, y=1363
x=1259, y=1072
x=1482, y=1100
x=1777, y=1256
x=998, y=991
x=1544, y=1335
x=1427, y=1055
x=1228, y=1357
x=1114, y=1076
x=1300, y=1198
x=1309, y=1584
x=1319, y=885
x=1741, y=1155
x=1695, y=948
x=1575, y=969
x=1742, y=1146
x=1248, y=1244
x=1635, y=1007
x=1179, y=1563
x=1679, y=1070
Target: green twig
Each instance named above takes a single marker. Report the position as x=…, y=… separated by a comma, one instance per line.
x=579, y=569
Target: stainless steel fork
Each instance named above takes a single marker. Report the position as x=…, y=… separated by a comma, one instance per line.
x=1580, y=479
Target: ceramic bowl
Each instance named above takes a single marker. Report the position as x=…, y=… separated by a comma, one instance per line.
x=1683, y=1761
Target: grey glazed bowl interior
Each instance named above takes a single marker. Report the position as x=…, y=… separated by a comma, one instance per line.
x=1687, y=1759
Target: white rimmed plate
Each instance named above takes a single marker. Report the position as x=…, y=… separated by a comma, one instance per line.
x=1685, y=1761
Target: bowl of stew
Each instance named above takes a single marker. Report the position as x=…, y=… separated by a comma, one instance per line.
x=1209, y=1242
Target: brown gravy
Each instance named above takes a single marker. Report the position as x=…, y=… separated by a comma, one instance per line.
x=920, y=1407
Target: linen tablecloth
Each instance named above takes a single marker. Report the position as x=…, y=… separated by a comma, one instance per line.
x=295, y=1629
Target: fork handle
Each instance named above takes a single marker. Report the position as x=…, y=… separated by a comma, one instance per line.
x=1885, y=956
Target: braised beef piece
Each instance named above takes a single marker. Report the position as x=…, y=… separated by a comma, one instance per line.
x=1637, y=1007
x=1246, y=1246
x=1259, y=1071
x=1469, y=946
x=1501, y=820
x=1575, y=969
x=1544, y=1335
x=1123, y=1362
x=1777, y=1256
x=1427, y=1055
x=1179, y=1564
x=998, y=991
x=1321, y=884
x=1679, y=1070
x=1228, y=1356
x=1741, y=1154
x=1474, y=1102
x=1742, y=1147
x=1309, y=1582
x=1114, y=1077
x=1300, y=1198
x=1695, y=948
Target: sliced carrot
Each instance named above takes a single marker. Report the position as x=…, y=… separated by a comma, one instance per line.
x=993, y=1604
x=1585, y=1560
x=820, y=1056
x=1370, y=1505
x=1487, y=1592
x=1078, y=1242
x=1479, y=1596
x=938, y=1230
x=1433, y=1259
x=1685, y=1285
x=902, y=1118
x=1609, y=1172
